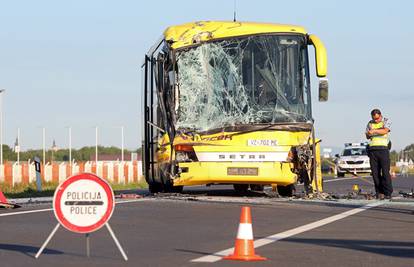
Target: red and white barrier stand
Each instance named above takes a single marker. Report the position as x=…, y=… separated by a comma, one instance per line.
x=83, y=204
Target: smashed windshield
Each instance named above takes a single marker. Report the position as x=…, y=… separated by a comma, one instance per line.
x=245, y=80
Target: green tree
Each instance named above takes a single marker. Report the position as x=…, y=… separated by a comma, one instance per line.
x=393, y=157
x=82, y=154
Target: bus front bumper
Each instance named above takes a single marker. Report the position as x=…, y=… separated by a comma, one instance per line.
x=199, y=173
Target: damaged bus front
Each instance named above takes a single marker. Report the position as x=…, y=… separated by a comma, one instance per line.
x=230, y=103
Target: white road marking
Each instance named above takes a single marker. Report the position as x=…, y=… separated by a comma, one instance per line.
x=338, y=179
x=131, y=200
x=42, y=210
x=23, y=212
x=298, y=230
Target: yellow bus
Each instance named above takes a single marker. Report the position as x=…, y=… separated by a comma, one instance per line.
x=230, y=103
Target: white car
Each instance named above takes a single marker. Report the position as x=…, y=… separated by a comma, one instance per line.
x=353, y=159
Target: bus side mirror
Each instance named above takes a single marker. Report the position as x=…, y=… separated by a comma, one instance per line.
x=321, y=60
x=323, y=89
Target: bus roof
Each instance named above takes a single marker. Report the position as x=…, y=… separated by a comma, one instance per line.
x=189, y=33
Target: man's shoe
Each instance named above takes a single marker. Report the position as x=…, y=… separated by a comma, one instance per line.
x=388, y=197
x=381, y=196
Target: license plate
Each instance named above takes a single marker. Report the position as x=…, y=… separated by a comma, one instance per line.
x=242, y=171
x=255, y=142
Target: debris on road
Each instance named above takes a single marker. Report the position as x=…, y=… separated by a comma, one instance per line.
x=407, y=194
x=128, y=196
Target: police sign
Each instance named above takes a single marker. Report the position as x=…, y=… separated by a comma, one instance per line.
x=83, y=203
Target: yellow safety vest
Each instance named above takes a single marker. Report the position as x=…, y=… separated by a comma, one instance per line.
x=378, y=140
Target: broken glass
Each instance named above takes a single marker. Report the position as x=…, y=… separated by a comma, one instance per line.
x=245, y=80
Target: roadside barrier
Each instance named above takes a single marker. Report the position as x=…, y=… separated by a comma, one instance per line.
x=114, y=172
x=244, y=245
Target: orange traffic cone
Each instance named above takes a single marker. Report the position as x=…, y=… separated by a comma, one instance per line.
x=5, y=204
x=244, y=246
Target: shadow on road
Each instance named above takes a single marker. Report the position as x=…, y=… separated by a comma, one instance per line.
x=27, y=250
x=394, y=210
x=224, y=193
x=389, y=248
x=193, y=251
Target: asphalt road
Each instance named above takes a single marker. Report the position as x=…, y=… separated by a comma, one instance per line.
x=185, y=230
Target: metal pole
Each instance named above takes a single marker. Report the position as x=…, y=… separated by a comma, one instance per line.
x=88, y=247
x=47, y=241
x=70, y=148
x=44, y=147
x=96, y=146
x=122, y=142
x=1, y=125
x=116, y=241
x=18, y=146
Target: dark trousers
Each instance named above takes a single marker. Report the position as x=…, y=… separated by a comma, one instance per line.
x=380, y=168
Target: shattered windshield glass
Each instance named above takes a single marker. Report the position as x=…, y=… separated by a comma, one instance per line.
x=246, y=80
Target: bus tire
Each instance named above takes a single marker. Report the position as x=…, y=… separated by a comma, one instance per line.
x=170, y=188
x=154, y=187
x=286, y=190
x=177, y=189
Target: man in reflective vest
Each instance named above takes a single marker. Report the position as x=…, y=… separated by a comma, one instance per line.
x=377, y=132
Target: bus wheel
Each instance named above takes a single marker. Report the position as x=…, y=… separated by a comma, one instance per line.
x=241, y=188
x=286, y=190
x=170, y=188
x=257, y=187
x=154, y=187
x=177, y=189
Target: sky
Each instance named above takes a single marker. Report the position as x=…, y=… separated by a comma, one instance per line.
x=77, y=64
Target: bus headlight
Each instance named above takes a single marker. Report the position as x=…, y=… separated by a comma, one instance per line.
x=181, y=156
x=185, y=153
